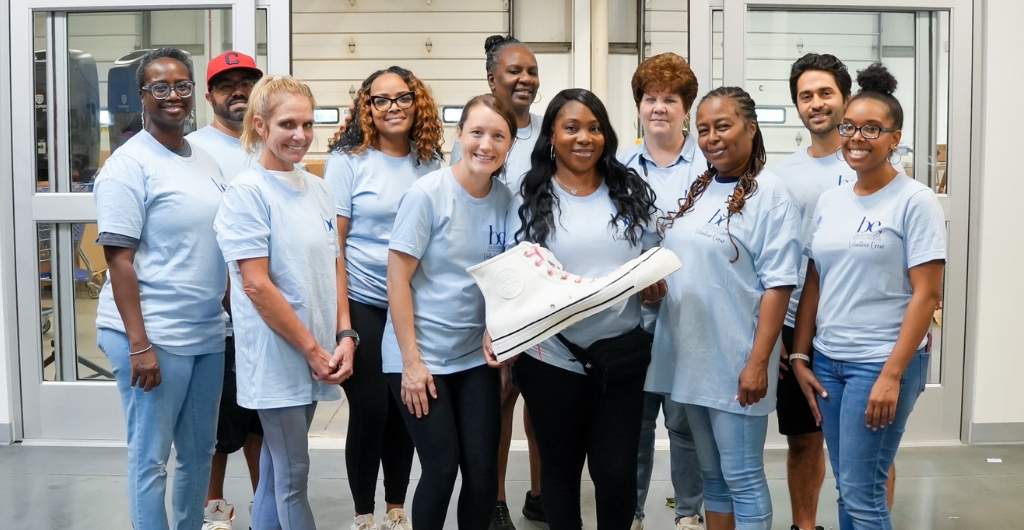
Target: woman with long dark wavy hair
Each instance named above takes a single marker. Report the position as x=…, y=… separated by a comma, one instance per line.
x=393, y=137
x=716, y=339
x=594, y=214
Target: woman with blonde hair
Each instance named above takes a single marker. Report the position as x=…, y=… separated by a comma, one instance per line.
x=392, y=138
x=276, y=228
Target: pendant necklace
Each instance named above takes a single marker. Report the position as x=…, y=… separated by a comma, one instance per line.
x=572, y=191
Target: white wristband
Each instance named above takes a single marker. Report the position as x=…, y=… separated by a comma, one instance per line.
x=801, y=356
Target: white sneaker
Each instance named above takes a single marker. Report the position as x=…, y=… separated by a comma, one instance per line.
x=397, y=520
x=529, y=297
x=364, y=522
x=218, y=515
x=638, y=524
x=690, y=523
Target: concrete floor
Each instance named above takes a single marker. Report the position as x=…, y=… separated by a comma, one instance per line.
x=84, y=488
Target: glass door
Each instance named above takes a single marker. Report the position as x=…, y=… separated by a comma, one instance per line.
x=74, y=87
x=927, y=44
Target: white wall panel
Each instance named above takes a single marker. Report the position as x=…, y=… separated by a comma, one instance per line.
x=552, y=25
x=388, y=46
x=621, y=108
x=666, y=27
x=397, y=22
x=392, y=32
x=397, y=6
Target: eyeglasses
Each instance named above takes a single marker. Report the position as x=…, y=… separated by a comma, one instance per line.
x=383, y=104
x=227, y=87
x=869, y=132
x=163, y=90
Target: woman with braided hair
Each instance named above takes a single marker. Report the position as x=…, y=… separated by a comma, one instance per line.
x=716, y=343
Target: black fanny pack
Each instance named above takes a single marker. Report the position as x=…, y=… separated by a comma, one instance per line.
x=610, y=361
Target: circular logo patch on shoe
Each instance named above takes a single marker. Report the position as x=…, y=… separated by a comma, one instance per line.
x=510, y=283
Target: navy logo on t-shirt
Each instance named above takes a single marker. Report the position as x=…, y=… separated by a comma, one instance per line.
x=495, y=241
x=869, y=235
x=714, y=228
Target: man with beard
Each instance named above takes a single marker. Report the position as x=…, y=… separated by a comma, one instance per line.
x=229, y=80
x=820, y=87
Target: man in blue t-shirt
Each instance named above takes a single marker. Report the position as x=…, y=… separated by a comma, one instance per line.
x=229, y=80
x=820, y=87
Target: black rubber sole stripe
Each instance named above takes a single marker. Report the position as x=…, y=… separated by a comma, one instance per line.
x=584, y=299
x=612, y=301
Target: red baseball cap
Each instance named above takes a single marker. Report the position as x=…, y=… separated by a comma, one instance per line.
x=230, y=61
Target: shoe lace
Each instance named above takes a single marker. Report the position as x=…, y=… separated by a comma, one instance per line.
x=399, y=523
x=689, y=523
x=501, y=516
x=544, y=256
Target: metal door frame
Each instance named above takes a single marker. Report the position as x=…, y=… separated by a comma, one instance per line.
x=963, y=71
x=62, y=411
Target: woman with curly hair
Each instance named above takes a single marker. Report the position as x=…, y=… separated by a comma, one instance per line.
x=716, y=338
x=392, y=138
x=594, y=214
x=877, y=256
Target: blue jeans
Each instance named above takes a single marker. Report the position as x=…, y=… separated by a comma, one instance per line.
x=282, y=499
x=685, y=468
x=183, y=410
x=730, y=448
x=861, y=457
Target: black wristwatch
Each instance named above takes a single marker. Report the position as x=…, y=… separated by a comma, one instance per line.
x=350, y=333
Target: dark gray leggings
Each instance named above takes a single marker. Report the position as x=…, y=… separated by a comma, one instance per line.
x=461, y=432
x=282, y=500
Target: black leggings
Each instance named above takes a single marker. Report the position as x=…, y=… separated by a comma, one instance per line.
x=376, y=433
x=461, y=431
x=573, y=422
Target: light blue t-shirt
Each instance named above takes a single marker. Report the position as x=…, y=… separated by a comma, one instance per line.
x=863, y=248
x=807, y=178
x=367, y=187
x=671, y=184
x=261, y=217
x=168, y=203
x=517, y=163
x=586, y=244
x=706, y=323
x=225, y=149
x=448, y=230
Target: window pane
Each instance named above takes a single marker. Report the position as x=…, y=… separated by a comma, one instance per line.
x=912, y=45
x=104, y=52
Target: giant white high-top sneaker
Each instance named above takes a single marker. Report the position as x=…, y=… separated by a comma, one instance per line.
x=529, y=297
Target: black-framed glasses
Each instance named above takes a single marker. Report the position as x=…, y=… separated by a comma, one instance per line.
x=869, y=132
x=227, y=87
x=383, y=104
x=163, y=90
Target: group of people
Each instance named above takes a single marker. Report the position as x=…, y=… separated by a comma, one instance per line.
x=808, y=287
